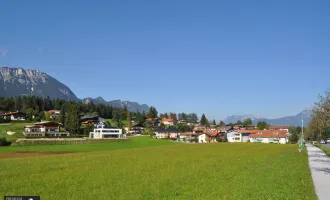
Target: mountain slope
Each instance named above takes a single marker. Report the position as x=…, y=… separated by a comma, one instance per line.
x=131, y=106
x=18, y=82
x=285, y=121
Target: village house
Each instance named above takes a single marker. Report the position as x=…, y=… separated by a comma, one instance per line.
x=94, y=119
x=161, y=133
x=208, y=137
x=224, y=129
x=237, y=126
x=274, y=137
x=155, y=121
x=14, y=116
x=186, y=136
x=54, y=113
x=168, y=122
x=244, y=135
x=286, y=128
x=102, y=131
x=137, y=129
x=44, y=128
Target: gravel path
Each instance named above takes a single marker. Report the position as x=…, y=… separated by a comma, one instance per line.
x=319, y=165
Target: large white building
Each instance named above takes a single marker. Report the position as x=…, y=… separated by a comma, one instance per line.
x=263, y=136
x=101, y=131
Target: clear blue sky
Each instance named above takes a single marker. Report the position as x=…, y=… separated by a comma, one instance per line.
x=268, y=58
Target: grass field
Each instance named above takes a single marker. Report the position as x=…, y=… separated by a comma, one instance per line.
x=18, y=128
x=159, y=171
x=325, y=149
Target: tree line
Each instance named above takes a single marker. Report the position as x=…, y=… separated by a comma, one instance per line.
x=319, y=127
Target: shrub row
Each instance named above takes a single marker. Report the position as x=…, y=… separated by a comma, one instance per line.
x=60, y=142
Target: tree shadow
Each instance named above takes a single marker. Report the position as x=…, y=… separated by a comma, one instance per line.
x=322, y=169
x=322, y=160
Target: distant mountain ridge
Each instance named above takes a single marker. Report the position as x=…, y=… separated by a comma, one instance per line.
x=20, y=82
x=295, y=120
x=131, y=106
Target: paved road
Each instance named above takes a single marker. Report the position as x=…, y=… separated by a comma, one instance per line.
x=319, y=165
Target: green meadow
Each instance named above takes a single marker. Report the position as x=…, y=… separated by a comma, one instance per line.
x=144, y=168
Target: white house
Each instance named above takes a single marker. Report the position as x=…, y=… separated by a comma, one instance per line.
x=101, y=131
x=44, y=128
x=168, y=122
x=234, y=136
x=279, y=138
x=202, y=138
x=166, y=133
x=188, y=135
x=14, y=116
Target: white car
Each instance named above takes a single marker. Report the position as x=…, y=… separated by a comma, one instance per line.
x=328, y=140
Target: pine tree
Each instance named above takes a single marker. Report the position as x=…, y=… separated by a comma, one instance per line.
x=214, y=122
x=222, y=123
x=204, y=120
x=74, y=120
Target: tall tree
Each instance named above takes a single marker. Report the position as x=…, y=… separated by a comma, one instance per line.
x=247, y=122
x=173, y=116
x=239, y=122
x=262, y=125
x=222, y=123
x=166, y=116
x=213, y=122
x=152, y=113
x=74, y=120
x=204, y=120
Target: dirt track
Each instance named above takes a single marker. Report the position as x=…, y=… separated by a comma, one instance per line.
x=21, y=154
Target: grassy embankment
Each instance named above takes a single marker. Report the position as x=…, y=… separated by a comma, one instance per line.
x=160, y=171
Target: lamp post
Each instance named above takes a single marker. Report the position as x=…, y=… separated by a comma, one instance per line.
x=302, y=145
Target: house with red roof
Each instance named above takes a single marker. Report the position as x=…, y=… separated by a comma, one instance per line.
x=269, y=137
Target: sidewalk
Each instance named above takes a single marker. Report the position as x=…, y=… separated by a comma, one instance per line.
x=319, y=165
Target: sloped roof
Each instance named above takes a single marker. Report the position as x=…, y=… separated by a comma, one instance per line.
x=166, y=130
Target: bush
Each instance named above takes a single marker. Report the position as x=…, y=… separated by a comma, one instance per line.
x=4, y=142
x=194, y=140
x=4, y=121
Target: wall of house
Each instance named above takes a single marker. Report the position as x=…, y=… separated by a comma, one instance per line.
x=173, y=135
x=268, y=140
x=202, y=138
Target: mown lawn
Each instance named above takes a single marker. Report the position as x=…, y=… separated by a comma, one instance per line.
x=18, y=128
x=132, y=142
x=325, y=149
x=181, y=171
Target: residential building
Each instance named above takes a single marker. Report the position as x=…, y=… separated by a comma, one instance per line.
x=237, y=126
x=275, y=137
x=234, y=136
x=137, y=129
x=224, y=129
x=102, y=131
x=54, y=113
x=168, y=122
x=161, y=133
x=183, y=121
x=155, y=121
x=44, y=128
x=286, y=128
x=95, y=119
x=14, y=116
x=188, y=136
x=208, y=137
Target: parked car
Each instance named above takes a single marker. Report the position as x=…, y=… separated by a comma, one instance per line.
x=328, y=140
x=322, y=142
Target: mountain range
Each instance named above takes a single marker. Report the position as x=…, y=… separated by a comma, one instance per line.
x=20, y=82
x=294, y=120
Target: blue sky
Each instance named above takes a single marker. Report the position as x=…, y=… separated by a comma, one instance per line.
x=268, y=58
